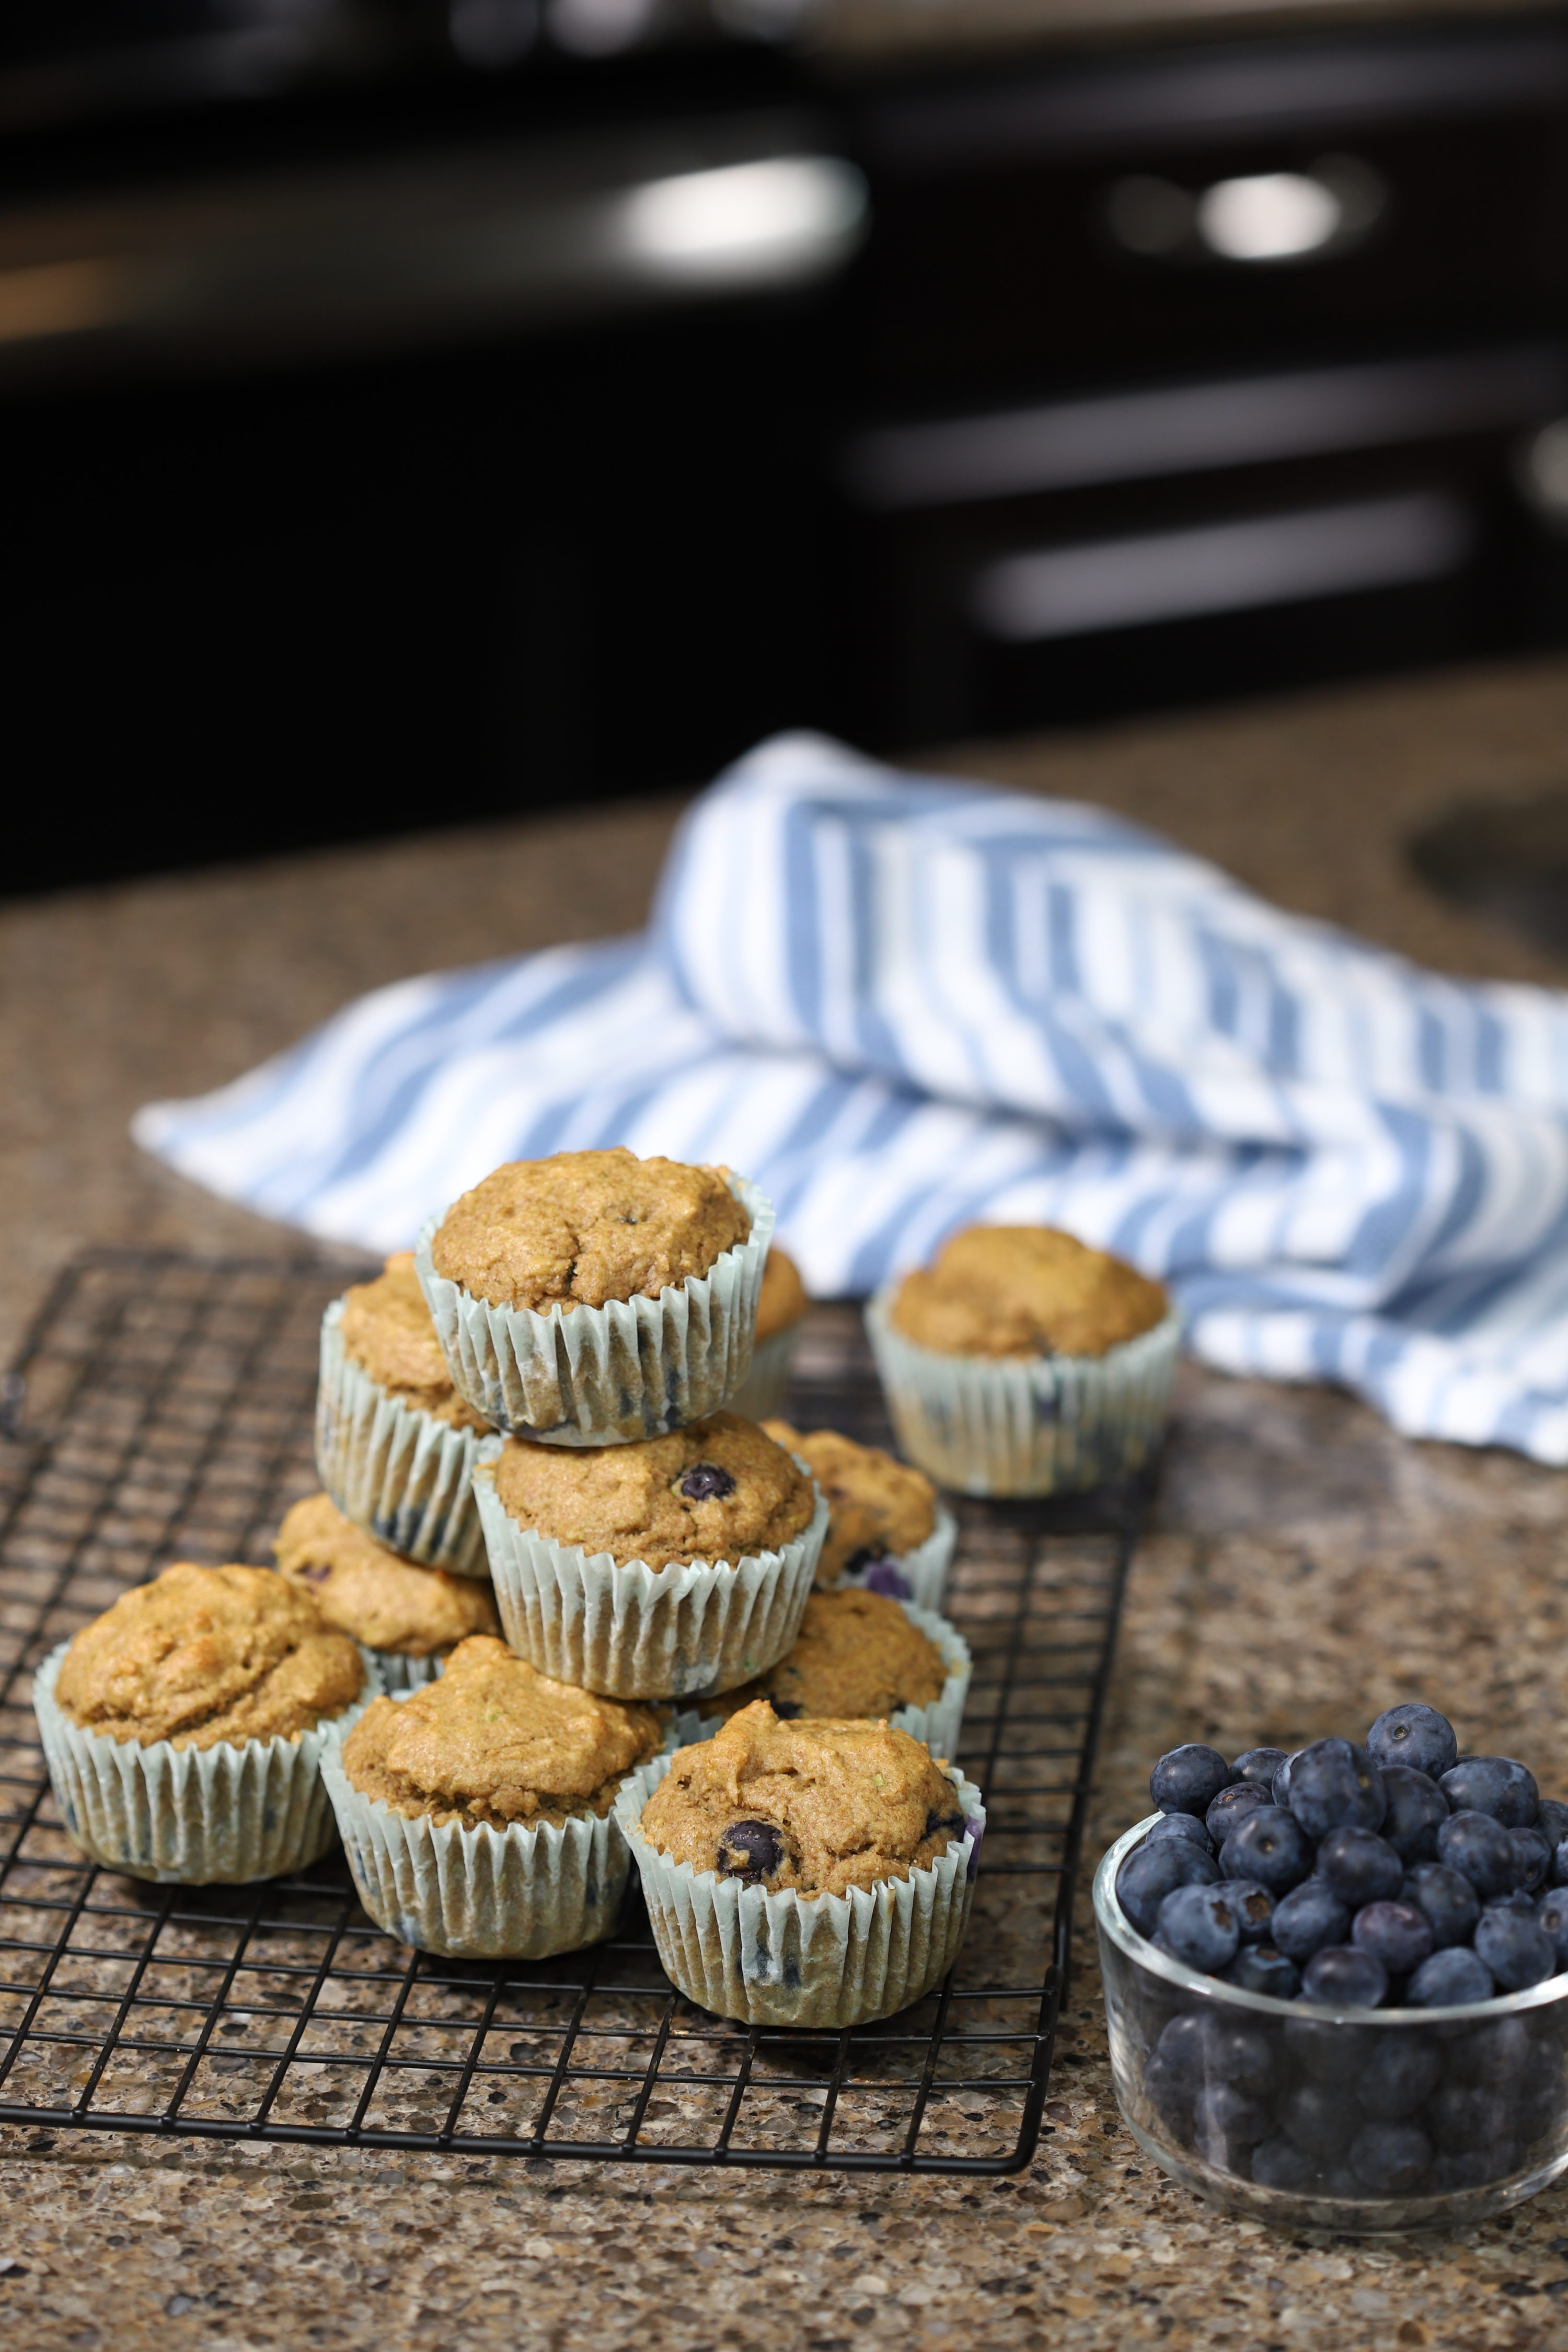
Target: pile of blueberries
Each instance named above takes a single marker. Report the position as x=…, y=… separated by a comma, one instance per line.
x=1393, y=1873
x=1399, y=1872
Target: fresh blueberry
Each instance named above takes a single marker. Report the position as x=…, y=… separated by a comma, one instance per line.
x=1334, y=1785
x=1183, y=2049
x=1390, y=2158
x=1308, y=1920
x=1225, y=2123
x=1416, y=1812
x=1516, y=1899
x=1515, y=1947
x=1188, y=1779
x=1396, y=1934
x=1231, y=1807
x=1477, y=1846
x=1281, y=1782
x=1477, y=2168
x=1414, y=1734
x=1553, y=1913
x=1184, y=1826
x=1494, y=1785
x=1259, y=1967
x=1359, y=1866
x=1498, y=2052
x=1198, y=1926
x=1552, y=1821
x=750, y=1851
x=1342, y=1976
x=1401, y=2071
x=1320, y=2118
x=1267, y=1848
x=1448, y=1980
x=706, y=1483
x=1242, y=2053
x=1280, y=2164
x=1450, y=1903
x=1333, y=2054
x=1466, y=2115
x=1532, y=1858
x=1254, y=1908
x=1258, y=1765
x=1152, y=1872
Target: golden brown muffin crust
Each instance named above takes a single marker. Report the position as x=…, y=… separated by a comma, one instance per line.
x=496, y=1741
x=387, y=1329
x=372, y=1594
x=784, y=1300
x=206, y=1655
x=857, y=1656
x=1025, y=1290
x=879, y=1508
x=847, y=1804
x=585, y=1227
x=717, y=1490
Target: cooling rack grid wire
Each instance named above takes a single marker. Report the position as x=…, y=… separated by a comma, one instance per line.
x=161, y=1410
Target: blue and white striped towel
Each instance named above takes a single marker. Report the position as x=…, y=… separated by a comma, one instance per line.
x=902, y=1004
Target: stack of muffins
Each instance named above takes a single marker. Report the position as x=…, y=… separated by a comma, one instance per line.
x=548, y=1534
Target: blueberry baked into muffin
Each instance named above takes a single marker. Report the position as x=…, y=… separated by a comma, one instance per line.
x=811, y=1872
x=184, y=1727
x=395, y=1444
x=410, y=1617
x=662, y=1569
x=1023, y=1361
x=597, y=1298
x=779, y=1312
x=476, y=1811
x=882, y=1516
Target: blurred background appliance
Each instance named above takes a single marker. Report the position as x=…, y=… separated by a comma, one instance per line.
x=420, y=411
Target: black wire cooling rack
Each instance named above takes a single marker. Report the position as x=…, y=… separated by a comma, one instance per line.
x=161, y=1410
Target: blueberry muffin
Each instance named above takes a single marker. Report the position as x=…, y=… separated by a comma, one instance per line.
x=1025, y=1290
x=411, y=1617
x=661, y=1570
x=388, y=1333
x=587, y=1227
x=878, y=1508
x=818, y=1805
x=718, y=1490
x=595, y=1298
x=1024, y=1363
x=784, y=1300
x=779, y=1308
x=185, y=1727
x=395, y=1444
x=858, y=1655
x=476, y=1813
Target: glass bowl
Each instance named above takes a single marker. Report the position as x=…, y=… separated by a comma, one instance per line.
x=1332, y=2119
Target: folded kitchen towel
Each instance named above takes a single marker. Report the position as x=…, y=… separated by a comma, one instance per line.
x=901, y=1003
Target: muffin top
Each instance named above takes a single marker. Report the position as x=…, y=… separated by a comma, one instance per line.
x=818, y=1805
x=784, y=1300
x=379, y=1598
x=585, y=1227
x=495, y=1740
x=387, y=1331
x=878, y=1508
x=206, y=1655
x=1025, y=1290
x=857, y=1656
x=717, y=1490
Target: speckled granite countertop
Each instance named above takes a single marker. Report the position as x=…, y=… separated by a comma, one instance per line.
x=1298, y=1542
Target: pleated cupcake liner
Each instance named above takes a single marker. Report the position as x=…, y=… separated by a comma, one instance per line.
x=628, y=1631
x=398, y=1672
x=763, y=1392
x=825, y=1961
x=393, y=1468
x=1026, y=1426
x=199, y=1816
x=919, y=1575
x=940, y=1721
x=605, y=1375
